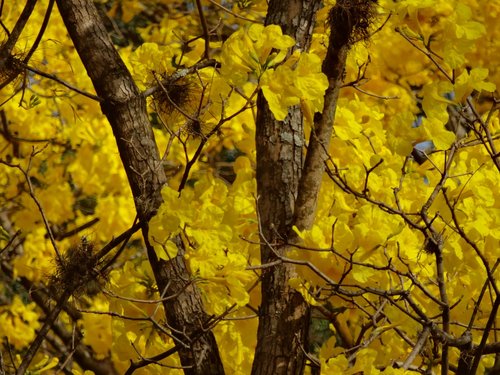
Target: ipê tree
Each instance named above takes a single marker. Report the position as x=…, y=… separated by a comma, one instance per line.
x=249, y=187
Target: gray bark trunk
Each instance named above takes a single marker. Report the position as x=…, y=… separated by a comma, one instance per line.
x=126, y=111
x=283, y=315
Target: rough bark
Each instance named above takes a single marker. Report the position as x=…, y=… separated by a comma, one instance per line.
x=121, y=103
x=283, y=315
x=125, y=110
x=319, y=141
x=185, y=316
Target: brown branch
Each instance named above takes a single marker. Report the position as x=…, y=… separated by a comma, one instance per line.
x=343, y=184
x=45, y=23
x=31, y=191
x=82, y=353
x=3, y=25
x=231, y=12
x=434, y=244
x=205, y=138
x=72, y=232
x=472, y=244
x=40, y=337
x=427, y=53
x=445, y=308
x=484, y=125
x=321, y=133
x=481, y=295
x=9, y=63
x=489, y=324
x=147, y=361
x=204, y=26
x=152, y=360
x=54, y=78
x=8, y=46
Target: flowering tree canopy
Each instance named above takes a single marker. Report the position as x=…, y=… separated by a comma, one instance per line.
x=265, y=187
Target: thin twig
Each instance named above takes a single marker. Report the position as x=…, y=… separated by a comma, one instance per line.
x=205, y=139
x=45, y=23
x=231, y=12
x=40, y=337
x=25, y=173
x=417, y=348
x=76, y=230
x=204, y=26
x=62, y=82
x=426, y=53
x=484, y=125
x=487, y=329
x=358, y=88
x=8, y=46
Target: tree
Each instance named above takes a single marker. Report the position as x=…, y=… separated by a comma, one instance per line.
x=285, y=188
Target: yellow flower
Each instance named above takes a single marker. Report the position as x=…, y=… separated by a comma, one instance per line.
x=18, y=322
x=298, y=80
x=249, y=51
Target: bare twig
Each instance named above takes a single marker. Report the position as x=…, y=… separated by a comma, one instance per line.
x=495, y=156
x=45, y=23
x=487, y=329
x=204, y=26
x=427, y=53
x=358, y=88
x=54, y=78
x=8, y=46
x=231, y=12
x=35, y=345
x=206, y=137
x=72, y=232
x=25, y=173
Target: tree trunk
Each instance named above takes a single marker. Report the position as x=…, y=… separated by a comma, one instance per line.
x=283, y=315
x=125, y=109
